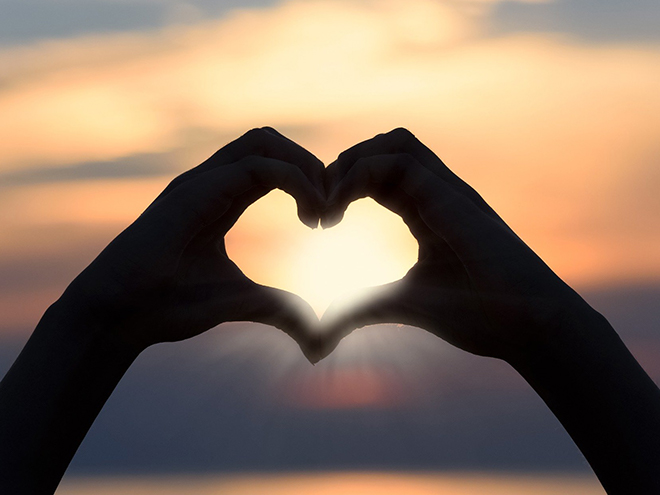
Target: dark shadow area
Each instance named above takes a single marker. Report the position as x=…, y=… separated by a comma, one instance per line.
x=210, y=404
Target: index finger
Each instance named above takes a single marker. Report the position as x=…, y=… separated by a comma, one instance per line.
x=397, y=141
x=468, y=230
x=206, y=198
x=265, y=142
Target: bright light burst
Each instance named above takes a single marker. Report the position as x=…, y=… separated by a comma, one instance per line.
x=370, y=247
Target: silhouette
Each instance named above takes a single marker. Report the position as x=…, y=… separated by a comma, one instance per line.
x=167, y=277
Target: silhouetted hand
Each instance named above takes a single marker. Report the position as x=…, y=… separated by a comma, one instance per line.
x=167, y=277
x=476, y=284
x=479, y=287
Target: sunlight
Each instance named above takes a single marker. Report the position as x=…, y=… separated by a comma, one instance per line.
x=559, y=136
x=371, y=246
x=353, y=255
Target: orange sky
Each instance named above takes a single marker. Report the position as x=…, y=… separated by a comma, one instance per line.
x=560, y=136
x=344, y=483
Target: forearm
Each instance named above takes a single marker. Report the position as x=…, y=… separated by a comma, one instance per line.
x=604, y=399
x=52, y=395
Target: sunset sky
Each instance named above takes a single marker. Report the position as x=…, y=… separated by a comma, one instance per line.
x=549, y=108
x=558, y=131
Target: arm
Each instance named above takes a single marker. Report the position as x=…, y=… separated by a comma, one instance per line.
x=478, y=286
x=167, y=277
x=604, y=399
x=52, y=395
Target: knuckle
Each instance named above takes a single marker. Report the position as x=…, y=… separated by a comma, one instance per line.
x=219, y=156
x=345, y=156
x=380, y=141
x=268, y=129
x=401, y=132
x=179, y=181
x=400, y=136
x=256, y=139
x=255, y=133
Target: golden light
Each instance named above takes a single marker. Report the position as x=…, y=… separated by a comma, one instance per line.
x=346, y=483
x=371, y=246
x=559, y=136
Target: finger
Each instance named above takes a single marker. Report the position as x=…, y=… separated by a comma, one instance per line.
x=450, y=215
x=313, y=168
x=243, y=300
x=288, y=312
x=260, y=178
x=382, y=177
x=380, y=181
x=205, y=199
x=400, y=140
x=266, y=142
x=383, y=304
x=239, y=205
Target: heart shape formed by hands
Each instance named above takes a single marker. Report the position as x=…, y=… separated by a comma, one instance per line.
x=370, y=247
x=475, y=284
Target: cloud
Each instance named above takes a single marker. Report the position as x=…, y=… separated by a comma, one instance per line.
x=25, y=21
x=599, y=21
x=559, y=136
x=141, y=165
x=105, y=97
x=100, y=98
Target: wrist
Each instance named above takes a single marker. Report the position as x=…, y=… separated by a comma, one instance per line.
x=576, y=334
x=71, y=320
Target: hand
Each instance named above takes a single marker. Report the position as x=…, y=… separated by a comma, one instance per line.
x=167, y=277
x=475, y=284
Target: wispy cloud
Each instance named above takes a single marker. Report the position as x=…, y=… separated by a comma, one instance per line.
x=141, y=165
x=559, y=135
x=24, y=21
x=595, y=21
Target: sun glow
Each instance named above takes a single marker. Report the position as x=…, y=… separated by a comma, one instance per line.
x=371, y=246
x=347, y=483
x=559, y=135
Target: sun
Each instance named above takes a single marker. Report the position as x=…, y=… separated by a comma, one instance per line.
x=371, y=246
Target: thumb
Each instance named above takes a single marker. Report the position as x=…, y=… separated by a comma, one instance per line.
x=288, y=312
x=372, y=306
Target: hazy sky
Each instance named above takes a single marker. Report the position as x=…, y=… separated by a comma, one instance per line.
x=550, y=109
x=598, y=20
x=553, y=122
